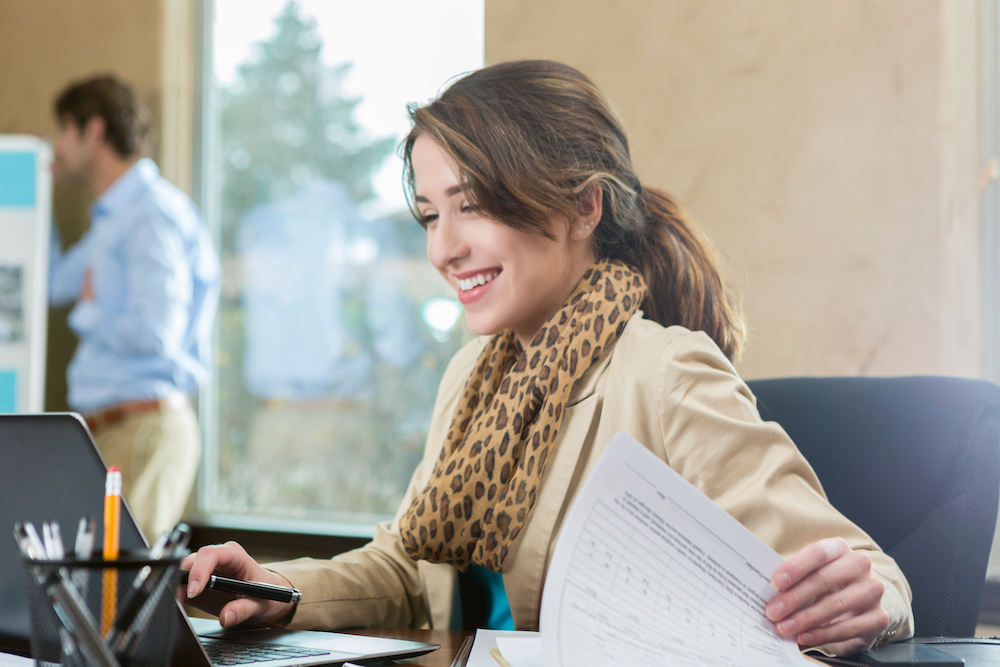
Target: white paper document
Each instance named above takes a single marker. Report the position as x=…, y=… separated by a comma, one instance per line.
x=519, y=648
x=649, y=571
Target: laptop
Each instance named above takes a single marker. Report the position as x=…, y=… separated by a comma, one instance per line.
x=50, y=470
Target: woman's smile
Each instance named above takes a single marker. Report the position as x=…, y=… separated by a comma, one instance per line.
x=472, y=287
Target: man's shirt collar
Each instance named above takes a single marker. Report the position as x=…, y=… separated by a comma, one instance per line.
x=125, y=189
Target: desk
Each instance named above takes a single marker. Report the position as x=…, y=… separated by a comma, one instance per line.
x=450, y=641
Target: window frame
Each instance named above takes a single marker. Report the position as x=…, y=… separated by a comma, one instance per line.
x=264, y=534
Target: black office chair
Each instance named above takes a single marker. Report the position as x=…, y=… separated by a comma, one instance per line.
x=915, y=462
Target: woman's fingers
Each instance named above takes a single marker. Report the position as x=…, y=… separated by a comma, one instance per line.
x=238, y=611
x=838, y=609
x=828, y=597
x=229, y=560
x=201, y=567
x=817, y=571
x=809, y=560
x=856, y=633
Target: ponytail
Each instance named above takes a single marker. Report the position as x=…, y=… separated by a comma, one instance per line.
x=684, y=276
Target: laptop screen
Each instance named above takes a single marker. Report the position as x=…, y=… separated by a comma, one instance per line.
x=49, y=471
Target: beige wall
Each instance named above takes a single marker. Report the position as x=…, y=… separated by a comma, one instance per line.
x=829, y=149
x=44, y=44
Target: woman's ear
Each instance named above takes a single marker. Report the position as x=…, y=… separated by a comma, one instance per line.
x=593, y=203
x=591, y=208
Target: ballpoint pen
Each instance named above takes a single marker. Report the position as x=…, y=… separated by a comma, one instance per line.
x=251, y=588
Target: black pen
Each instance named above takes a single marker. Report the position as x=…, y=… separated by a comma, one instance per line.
x=254, y=589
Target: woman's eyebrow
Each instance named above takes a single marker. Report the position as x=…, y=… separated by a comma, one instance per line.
x=450, y=192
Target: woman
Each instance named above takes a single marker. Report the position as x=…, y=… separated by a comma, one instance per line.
x=605, y=310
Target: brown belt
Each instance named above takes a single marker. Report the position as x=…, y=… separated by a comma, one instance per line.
x=116, y=413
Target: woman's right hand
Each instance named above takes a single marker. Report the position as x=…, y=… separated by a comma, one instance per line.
x=231, y=560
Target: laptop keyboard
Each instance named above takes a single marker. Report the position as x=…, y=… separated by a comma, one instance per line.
x=223, y=653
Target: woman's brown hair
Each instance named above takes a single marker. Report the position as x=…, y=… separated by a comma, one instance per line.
x=530, y=138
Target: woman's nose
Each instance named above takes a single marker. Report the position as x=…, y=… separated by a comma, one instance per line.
x=445, y=243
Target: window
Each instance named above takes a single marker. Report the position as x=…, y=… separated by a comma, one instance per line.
x=333, y=330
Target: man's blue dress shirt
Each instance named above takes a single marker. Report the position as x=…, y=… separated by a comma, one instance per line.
x=155, y=278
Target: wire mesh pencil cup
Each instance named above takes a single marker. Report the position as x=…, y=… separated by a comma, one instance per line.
x=67, y=607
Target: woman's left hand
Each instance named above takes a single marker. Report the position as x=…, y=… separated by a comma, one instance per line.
x=828, y=597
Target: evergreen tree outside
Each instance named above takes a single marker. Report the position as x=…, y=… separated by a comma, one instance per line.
x=286, y=122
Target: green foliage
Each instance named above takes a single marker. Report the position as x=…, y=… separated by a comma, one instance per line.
x=286, y=122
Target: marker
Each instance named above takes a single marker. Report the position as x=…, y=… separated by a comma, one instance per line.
x=36, y=542
x=254, y=589
x=24, y=542
x=57, y=540
x=112, y=541
x=84, y=546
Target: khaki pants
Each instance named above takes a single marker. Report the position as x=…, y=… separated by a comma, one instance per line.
x=157, y=452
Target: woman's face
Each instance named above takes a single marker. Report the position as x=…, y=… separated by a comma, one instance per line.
x=505, y=278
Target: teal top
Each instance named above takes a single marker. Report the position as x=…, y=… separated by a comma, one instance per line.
x=489, y=595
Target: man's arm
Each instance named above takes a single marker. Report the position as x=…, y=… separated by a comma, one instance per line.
x=66, y=270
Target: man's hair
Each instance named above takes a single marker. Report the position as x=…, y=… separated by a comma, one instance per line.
x=127, y=121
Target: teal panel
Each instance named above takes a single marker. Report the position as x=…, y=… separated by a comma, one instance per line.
x=8, y=391
x=17, y=179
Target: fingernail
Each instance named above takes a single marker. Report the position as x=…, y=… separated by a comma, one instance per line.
x=786, y=627
x=192, y=588
x=806, y=639
x=781, y=580
x=775, y=610
x=227, y=619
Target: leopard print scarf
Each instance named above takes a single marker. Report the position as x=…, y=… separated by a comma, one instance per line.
x=486, y=479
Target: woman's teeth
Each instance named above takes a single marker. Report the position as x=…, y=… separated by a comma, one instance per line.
x=476, y=281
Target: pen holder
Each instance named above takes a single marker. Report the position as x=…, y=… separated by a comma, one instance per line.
x=137, y=595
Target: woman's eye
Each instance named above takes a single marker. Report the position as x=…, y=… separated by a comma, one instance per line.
x=465, y=208
x=426, y=219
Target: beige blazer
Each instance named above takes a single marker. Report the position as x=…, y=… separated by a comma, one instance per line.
x=675, y=392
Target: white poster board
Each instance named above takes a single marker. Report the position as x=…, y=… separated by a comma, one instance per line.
x=25, y=220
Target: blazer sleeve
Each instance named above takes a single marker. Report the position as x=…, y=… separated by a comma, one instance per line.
x=714, y=436
x=378, y=585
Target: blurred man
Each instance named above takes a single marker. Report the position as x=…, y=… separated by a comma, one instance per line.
x=145, y=278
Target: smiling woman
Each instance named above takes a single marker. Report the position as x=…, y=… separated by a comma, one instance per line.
x=601, y=309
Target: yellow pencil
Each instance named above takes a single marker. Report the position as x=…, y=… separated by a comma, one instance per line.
x=495, y=652
x=112, y=541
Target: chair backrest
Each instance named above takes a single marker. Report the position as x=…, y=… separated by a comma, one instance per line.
x=915, y=462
